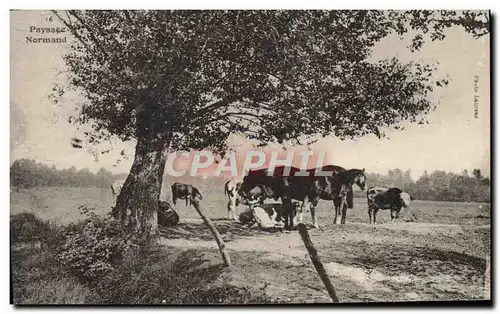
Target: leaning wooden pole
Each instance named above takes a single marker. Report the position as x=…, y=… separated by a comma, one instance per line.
x=317, y=263
x=215, y=233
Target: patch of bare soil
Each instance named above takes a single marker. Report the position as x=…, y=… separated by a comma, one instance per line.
x=387, y=262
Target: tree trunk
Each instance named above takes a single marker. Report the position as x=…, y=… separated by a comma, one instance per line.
x=137, y=204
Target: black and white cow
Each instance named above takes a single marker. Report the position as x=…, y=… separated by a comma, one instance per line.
x=231, y=191
x=275, y=211
x=386, y=198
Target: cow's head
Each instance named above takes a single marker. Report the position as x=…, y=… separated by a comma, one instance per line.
x=254, y=187
x=258, y=194
x=246, y=217
x=405, y=199
x=356, y=176
x=197, y=194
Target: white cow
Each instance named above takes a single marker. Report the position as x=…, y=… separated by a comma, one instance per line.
x=231, y=190
x=266, y=215
x=116, y=188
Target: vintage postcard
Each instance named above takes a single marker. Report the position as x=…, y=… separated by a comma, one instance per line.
x=162, y=157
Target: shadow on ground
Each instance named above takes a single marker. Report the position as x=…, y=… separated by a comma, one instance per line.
x=229, y=230
x=387, y=262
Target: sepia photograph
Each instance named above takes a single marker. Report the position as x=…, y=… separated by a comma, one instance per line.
x=250, y=157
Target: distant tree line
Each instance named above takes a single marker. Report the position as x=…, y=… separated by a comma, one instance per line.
x=26, y=173
x=437, y=186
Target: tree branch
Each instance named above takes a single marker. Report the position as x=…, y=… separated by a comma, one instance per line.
x=73, y=30
x=127, y=15
x=216, y=105
x=91, y=34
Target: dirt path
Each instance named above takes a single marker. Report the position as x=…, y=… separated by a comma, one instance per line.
x=388, y=262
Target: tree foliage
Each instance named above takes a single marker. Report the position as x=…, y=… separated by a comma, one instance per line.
x=183, y=80
x=432, y=24
x=198, y=76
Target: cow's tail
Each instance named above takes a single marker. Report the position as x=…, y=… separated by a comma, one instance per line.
x=350, y=199
x=174, y=195
x=225, y=189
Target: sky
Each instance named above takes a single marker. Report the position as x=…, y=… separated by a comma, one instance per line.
x=454, y=139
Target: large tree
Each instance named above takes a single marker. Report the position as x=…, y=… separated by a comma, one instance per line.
x=183, y=80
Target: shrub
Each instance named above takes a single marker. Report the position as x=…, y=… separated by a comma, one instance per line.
x=27, y=227
x=92, y=247
x=148, y=279
x=96, y=261
x=226, y=294
x=38, y=278
x=96, y=245
x=163, y=277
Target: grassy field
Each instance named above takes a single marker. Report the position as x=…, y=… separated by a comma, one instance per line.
x=61, y=206
x=441, y=256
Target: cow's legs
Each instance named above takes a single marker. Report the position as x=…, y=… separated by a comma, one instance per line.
x=288, y=213
x=231, y=209
x=375, y=211
x=288, y=207
x=334, y=213
x=370, y=213
x=336, y=205
x=300, y=215
x=313, y=205
x=303, y=208
x=393, y=214
x=397, y=212
x=343, y=206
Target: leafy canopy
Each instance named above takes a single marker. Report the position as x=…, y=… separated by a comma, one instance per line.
x=196, y=77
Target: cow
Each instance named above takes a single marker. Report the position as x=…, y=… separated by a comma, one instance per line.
x=257, y=185
x=184, y=191
x=231, y=191
x=386, y=198
x=116, y=187
x=275, y=211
